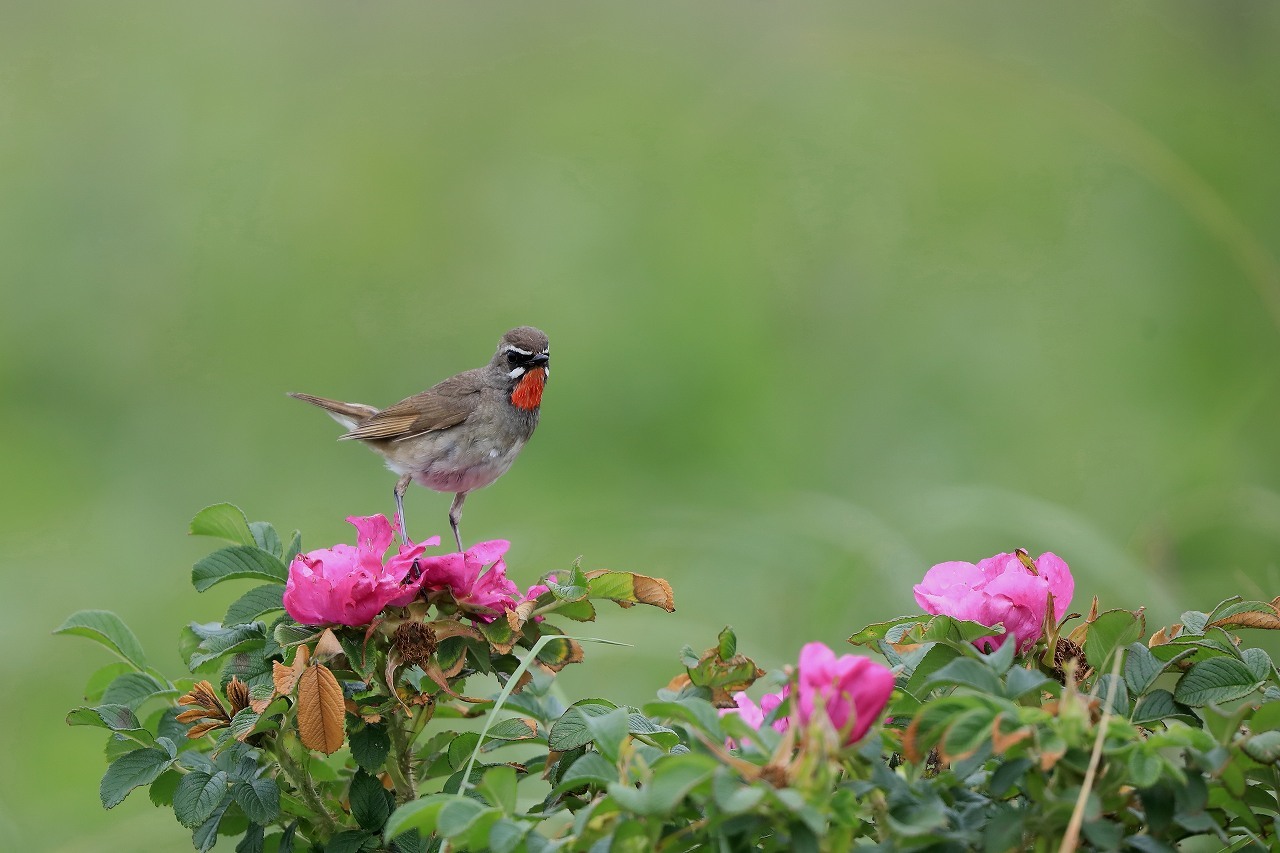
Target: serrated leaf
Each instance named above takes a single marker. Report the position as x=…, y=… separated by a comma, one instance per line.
x=107, y=629
x=568, y=588
x=968, y=673
x=206, y=834
x=224, y=641
x=578, y=611
x=238, y=561
x=511, y=730
x=162, y=790
x=253, y=840
x=877, y=631
x=1110, y=632
x=254, y=603
x=260, y=799
x=197, y=795
x=253, y=667
x=135, y=688
x=351, y=841
x=222, y=521
x=498, y=785
x=266, y=538
x=114, y=717
x=591, y=768
x=140, y=767
x=1264, y=747
x=320, y=710
x=371, y=804
x=1259, y=663
x=370, y=745
x=1219, y=679
x=571, y=730
x=457, y=816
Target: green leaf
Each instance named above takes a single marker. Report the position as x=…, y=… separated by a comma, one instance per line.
x=571, y=730
x=162, y=790
x=727, y=643
x=222, y=521
x=673, y=778
x=106, y=628
x=698, y=713
x=135, y=688
x=499, y=787
x=570, y=588
x=288, y=634
x=252, y=667
x=140, y=767
x=1112, y=630
x=591, y=768
x=970, y=673
x=214, y=644
x=877, y=631
x=731, y=794
x=579, y=611
x=260, y=799
x=266, y=538
x=1259, y=663
x=643, y=727
x=206, y=834
x=505, y=835
x=1142, y=667
x=114, y=717
x=608, y=731
x=254, y=603
x=197, y=795
x=457, y=816
x=294, y=548
x=370, y=745
x=952, y=630
x=243, y=723
x=253, y=840
x=352, y=841
x=371, y=804
x=1154, y=706
x=1144, y=767
x=1219, y=679
x=1111, y=689
x=1019, y=682
x=238, y=561
x=512, y=730
x=419, y=814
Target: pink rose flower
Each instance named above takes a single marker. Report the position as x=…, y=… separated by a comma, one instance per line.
x=484, y=594
x=349, y=584
x=852, y=691
x=753, y=714
x=999, y=589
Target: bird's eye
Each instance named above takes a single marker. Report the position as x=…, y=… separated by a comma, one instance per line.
x=513, y=358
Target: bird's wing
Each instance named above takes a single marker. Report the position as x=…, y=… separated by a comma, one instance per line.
x=447, y=404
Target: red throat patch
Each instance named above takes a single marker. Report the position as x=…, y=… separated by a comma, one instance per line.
x=528, y=394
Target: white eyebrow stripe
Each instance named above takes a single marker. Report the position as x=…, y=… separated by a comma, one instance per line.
x=514, y=348
x=519, y=371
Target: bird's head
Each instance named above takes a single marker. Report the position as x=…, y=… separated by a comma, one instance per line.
x=524, y=360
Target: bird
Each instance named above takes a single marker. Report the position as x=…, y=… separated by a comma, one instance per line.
x=461, y=434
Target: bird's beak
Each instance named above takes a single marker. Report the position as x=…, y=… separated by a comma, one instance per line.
x=540, y=360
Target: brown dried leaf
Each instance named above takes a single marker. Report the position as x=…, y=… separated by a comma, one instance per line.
x=327, y=647
x=320, y=710
x=518, y=615
x=654, y=591
x=237, y=695
x=1252, y=619
x=1001, y=741
x=680, y=682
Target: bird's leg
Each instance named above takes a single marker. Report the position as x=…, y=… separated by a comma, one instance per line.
x=455, y=516
x=401, y=485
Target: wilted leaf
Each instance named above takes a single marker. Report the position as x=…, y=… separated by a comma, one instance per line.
x=320, y=710
x=628, y=588
x=327, y=647
x=284, y=677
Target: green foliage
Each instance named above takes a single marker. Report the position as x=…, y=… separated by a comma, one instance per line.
x=1135, y=741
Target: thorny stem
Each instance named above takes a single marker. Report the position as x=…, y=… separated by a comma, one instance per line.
x=302, y=782
x=400, y=764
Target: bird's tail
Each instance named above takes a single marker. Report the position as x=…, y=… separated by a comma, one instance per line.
x=347, y=414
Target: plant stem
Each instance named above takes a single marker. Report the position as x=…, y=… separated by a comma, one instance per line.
x=301, y=780
x=400, y=764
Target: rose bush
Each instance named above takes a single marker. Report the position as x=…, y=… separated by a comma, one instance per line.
x=352, y=702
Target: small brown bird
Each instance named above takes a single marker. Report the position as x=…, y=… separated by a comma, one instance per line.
x=462, y=434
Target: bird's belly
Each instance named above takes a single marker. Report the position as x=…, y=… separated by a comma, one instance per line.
x=448, y=465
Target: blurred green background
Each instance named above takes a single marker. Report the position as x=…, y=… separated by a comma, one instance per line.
x=835, y=293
